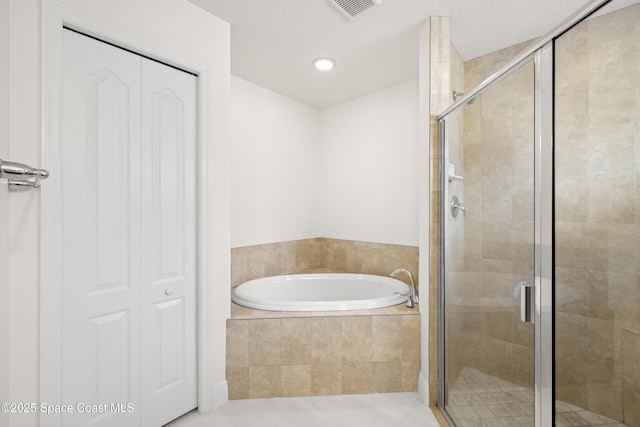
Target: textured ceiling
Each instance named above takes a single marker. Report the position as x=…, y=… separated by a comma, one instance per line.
x=274, y=41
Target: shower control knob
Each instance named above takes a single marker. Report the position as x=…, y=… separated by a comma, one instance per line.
x=168, y=291
x=456, y=206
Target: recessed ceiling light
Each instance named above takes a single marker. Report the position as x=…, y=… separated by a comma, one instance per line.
x=324, y=64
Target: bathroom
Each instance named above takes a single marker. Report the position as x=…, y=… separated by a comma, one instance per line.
x=311, y=214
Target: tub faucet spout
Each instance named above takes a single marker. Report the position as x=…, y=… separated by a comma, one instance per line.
x=413, y=295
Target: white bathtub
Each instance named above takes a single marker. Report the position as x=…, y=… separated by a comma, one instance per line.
x=321, y=292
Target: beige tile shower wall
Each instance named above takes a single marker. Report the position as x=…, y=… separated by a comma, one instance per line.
x=320, y=254
x=455, y=228
x=288, y=357
x=598, y=215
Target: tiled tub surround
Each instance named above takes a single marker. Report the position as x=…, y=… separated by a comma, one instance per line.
x=287, y=354
x=320, y=255
x=277, y=354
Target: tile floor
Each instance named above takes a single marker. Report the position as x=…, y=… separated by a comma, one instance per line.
x=371, y=410
x=480, y=400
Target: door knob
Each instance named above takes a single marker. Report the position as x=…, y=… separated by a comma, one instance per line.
x=168, y=291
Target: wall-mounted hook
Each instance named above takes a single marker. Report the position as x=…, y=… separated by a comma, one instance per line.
x=21, y=176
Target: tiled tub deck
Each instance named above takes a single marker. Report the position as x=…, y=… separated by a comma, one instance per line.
x=290, y=354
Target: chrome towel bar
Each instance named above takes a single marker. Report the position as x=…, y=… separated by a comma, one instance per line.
x=21, y=176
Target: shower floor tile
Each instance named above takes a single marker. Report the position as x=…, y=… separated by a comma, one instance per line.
x=477, y=399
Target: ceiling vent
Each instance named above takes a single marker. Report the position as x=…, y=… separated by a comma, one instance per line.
x=353, y=8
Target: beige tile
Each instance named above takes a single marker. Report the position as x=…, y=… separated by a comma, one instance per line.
x=595, y=419
x=611, y=149
x=411, y=338
x=356, y=339
x=573, y=114
x=575, y=394
x=237, y=343
x=600, y=296
x=631, y=354
x=605, y=105
x=308, y=253
x=410, y=373
x=631, y=397
x=498, y=324
x=523, y=368
x=497, y=250
x=264, y=382
x=326, y=379
x=522, y=197
x=356, y=378
x=624, y=299
x=571, y=147
x=572, y=195
x=522, y=334
x=572, y=290
x=607, y=191
x=623, y=247
x=326, y=340
x=335, y=254
x=604, y=342
x=295, y=380
x=497, y=359
x=604, y=398
x=264, y=342
x=386, y=338
x=522, y=244
x=572, y=47
x=239, y=267
x=295, y=341
x=280, y=259
x=255, y=262
x=238, y=380
x=386, y=377
x=571, y=333
x=572, y=244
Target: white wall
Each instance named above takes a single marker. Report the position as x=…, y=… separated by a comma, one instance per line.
x=4, y=208
x=369, y=167
x=348, y=172
x=275, y=149
x=23, y=214
x=175, y=25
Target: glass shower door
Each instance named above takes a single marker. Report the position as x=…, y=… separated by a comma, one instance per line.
x=487, y=264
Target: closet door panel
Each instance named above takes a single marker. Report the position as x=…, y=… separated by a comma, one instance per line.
x=100, y=232
x=169, y=234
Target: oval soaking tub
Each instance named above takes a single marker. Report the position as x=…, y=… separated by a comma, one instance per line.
x=320, y=292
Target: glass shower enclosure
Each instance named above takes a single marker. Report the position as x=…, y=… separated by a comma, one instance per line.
x=539, y=311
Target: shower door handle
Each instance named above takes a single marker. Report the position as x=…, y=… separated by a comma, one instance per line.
x=526, y=302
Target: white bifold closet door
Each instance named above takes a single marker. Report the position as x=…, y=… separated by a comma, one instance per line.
x=128, y=232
